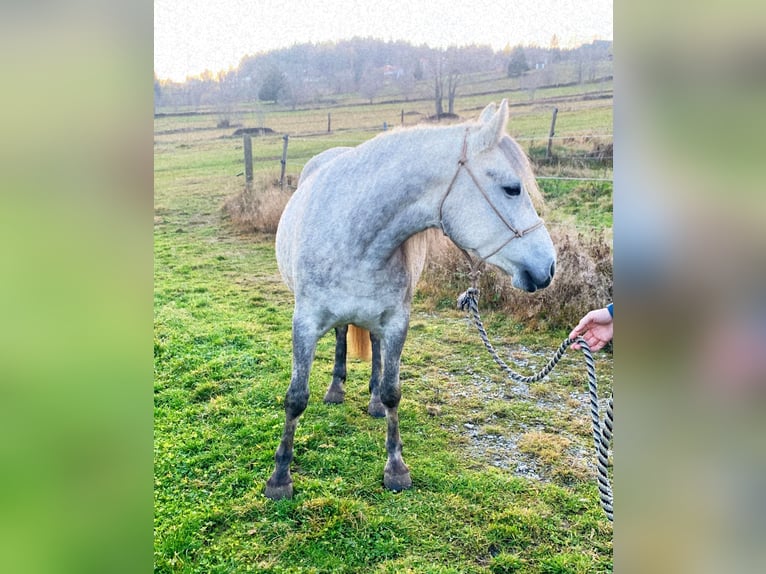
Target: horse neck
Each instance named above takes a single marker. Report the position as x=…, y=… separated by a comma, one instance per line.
x=413, y=184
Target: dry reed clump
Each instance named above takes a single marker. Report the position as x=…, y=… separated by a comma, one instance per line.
x=583, y=281
x=258, y=207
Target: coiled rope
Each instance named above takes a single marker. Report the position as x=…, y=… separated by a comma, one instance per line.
x=602, y=432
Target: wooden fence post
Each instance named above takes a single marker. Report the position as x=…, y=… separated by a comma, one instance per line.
x=248, y=145
x=328, y=122
x=283, y=162
x=402, y=116
x=551, y=133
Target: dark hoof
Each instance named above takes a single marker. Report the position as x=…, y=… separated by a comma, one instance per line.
x=334, y=397
x=279, y=491
x=376, y=409
x=397, y=482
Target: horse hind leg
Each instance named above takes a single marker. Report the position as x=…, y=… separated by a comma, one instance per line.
x=280, y=484
x=376, y=407
x=335, y=392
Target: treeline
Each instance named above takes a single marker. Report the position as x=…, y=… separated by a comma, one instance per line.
x=321, y=73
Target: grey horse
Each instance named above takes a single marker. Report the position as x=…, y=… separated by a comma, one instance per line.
x=348, y=247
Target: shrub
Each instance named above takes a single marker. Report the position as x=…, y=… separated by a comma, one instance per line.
x=583, y=281
x=259, y=206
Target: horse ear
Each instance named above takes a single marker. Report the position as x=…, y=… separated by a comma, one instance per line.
x=493, y=128
x=487, y=113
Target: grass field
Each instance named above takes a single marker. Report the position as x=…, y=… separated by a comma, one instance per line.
x=503, y=479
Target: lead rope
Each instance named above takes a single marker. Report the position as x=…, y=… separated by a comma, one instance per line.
x=602, y=433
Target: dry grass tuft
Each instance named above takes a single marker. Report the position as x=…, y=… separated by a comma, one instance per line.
x=583, y=281
x=258, y=207
x=548, y=448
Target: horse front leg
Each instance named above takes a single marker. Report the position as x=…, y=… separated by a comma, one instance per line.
x=396, y=475
x=335, y=393
x=280, y=484
x=376, y=407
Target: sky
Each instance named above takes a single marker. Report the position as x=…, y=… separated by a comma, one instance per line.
x=191, y=36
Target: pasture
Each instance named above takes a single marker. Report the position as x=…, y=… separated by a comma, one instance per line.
x=503, y=481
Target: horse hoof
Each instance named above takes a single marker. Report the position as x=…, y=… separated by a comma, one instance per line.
x=279, y=491
x=397, y=482
x=334, y=397
x=376, y=409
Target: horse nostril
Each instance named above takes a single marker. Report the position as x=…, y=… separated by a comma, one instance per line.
x=553, y=269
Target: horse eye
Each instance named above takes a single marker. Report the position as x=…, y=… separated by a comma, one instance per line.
x=511, y=190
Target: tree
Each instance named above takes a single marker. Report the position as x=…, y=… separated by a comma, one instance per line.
x=226, y=97
x=273, y=85
x=454, y=69
x=437, y=64
x=447, y=68
x=517, y=65
x=555, y=49
x=406, y=84
x=530, y=82
x=371, y=83
x=442, y=71
x=157, y=93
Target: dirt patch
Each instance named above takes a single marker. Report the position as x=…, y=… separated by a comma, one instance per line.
x=444, y=116
x=253, y=131
x=507, y=426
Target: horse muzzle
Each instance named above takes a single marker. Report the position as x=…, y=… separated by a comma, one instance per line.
x=530, y=281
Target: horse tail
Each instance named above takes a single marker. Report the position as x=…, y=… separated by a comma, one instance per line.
x=359, y=344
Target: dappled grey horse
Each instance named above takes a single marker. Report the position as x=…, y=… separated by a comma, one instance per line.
x=349, y=245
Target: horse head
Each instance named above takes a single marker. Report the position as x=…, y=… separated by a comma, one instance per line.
x=488, y=208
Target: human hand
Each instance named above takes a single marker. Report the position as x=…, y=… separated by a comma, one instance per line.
x=597, y=328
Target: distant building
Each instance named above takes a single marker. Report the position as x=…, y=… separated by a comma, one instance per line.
x=390, y=71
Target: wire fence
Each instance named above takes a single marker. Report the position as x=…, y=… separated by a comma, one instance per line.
x=574, y=155
x=581, y=175
x=559, y=166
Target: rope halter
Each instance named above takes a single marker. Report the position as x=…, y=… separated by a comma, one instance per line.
x=462, y=163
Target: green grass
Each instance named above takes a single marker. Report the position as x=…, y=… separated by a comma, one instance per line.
x=222, y=366
x=589, y=203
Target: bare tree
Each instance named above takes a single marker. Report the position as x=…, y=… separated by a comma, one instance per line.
x=406, y=84
x=436, y=69
x=371, y=83
x=453, y=71
x=298, y=90
x=531, y=81
x=157, y=93
x=447, y=68
x=438, y=91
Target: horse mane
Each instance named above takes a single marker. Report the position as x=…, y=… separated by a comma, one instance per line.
x=414, y=251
